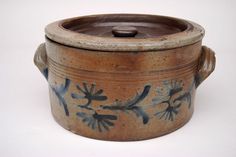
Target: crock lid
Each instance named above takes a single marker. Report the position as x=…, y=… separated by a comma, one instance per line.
x=124, y=32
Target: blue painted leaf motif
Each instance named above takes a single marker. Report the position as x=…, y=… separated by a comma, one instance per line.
x=97, y=121
x=132, y=105
x=89, y=94
x=60, y=92
x=45, y=73
x=172, y=95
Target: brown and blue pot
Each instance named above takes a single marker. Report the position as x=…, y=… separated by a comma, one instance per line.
x=123, y=77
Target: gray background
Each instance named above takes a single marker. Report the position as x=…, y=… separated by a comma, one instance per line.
x=26, y=125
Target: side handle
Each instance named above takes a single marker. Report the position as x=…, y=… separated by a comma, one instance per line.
x=40, y=60
x=206, y=65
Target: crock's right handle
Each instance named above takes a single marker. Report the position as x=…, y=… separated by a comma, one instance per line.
x=40, y=60
x=206, y=65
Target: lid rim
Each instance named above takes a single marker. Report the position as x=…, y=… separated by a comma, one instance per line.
x=57, y=33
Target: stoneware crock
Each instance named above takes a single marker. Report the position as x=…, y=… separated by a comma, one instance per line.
x=123, y=77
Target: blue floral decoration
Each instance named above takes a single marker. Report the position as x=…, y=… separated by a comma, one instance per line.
x=60, y=92
x=172, y=95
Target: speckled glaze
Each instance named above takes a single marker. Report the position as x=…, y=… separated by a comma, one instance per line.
x=123, y=89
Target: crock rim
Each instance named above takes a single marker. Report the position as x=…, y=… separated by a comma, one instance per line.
x=56, y=32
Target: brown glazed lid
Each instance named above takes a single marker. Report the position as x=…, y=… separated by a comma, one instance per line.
x=124, y=32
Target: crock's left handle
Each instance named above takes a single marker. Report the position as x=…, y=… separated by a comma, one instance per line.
x=40, y=60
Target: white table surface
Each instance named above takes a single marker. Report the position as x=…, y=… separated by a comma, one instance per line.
x=27, y=128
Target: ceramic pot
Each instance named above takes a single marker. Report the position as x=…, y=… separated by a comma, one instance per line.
x=123, y=76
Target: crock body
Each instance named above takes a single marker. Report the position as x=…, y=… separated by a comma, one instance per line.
x=122, y=96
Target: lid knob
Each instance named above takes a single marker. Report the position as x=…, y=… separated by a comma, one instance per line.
x=124, y=31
